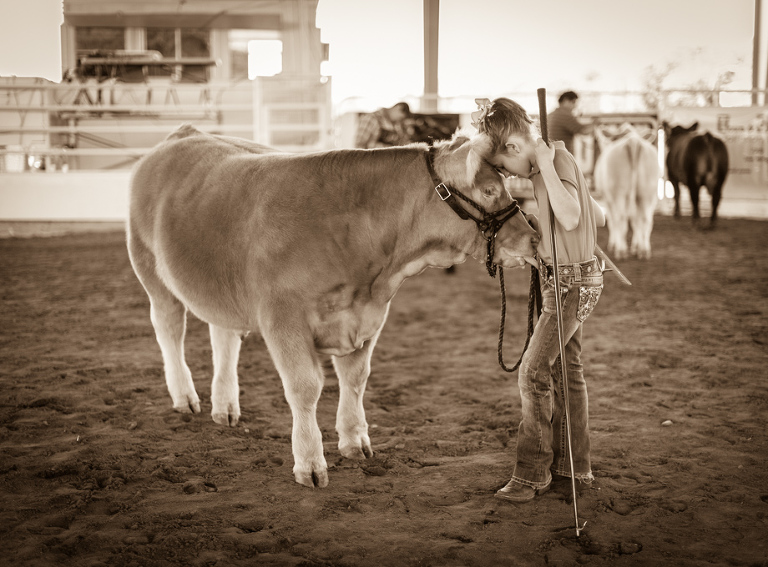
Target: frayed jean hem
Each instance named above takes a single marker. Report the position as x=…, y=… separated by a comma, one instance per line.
x=536, y=485
x=586, y=478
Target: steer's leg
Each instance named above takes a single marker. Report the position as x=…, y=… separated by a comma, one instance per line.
x=716, y=190
x=676, y=187
x=290, y=343
x=353, y=371
x=641, y=232
x=693, y=189
x=169, y=318
x=225, y=392
x=617, y=230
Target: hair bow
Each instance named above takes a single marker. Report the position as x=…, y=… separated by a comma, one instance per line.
x=484, y=106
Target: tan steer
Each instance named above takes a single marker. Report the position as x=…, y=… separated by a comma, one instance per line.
x=309, y=249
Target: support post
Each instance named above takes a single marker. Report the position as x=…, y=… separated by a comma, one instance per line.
x=431, y=35
x=542, y=94
x=756, y=56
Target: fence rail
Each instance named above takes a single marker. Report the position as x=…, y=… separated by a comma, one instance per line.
x=44, y=124
x=123, y=120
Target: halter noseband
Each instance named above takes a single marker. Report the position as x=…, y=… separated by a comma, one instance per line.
x=490, y=222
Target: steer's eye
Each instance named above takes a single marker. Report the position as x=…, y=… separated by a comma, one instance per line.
x=489, y=191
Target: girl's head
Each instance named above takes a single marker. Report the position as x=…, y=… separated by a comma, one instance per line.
x=510, y=135
x=501, y=119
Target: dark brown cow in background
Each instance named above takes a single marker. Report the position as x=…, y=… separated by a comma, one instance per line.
x=696, y=160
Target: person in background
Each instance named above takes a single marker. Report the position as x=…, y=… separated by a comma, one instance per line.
x=563, y=124
x=385, y=127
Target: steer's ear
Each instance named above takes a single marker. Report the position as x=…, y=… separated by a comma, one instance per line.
x=479, y=152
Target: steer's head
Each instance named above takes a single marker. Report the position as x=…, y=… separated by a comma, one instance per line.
x=463, y=164
x=674, y=133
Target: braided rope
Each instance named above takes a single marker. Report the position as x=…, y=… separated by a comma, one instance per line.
x=489, y=265
x=531, y=303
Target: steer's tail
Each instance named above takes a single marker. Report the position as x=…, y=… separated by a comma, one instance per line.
x=717, y=161
x=633, y=148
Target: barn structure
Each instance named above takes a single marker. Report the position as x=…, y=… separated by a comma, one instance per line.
x=132, y=70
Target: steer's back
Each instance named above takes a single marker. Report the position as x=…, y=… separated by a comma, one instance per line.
x=168, y=182
x=627, y=171
x=201, y=220
x=227, y=225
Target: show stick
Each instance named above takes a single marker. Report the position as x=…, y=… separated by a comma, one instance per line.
x=542, y=93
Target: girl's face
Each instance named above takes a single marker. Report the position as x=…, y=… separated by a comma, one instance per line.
x=517, y=158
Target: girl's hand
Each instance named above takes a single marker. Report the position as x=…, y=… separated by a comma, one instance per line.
x=544, y=154
x=533, y=220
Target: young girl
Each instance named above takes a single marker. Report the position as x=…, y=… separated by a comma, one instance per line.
x=542, y=441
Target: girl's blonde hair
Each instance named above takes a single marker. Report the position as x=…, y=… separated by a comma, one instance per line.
x=504, y=118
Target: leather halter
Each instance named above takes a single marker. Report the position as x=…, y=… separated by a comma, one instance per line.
x=488, y=224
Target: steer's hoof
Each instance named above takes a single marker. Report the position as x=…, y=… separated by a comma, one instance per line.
x=188, y=406
x=356, y=452
x=316, y=478
x=229, y=419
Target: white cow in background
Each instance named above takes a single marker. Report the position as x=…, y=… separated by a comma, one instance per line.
x=627, y=174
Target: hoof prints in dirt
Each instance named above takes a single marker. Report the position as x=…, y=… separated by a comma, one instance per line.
x=80, y=485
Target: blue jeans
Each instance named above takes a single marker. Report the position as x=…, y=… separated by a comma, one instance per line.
x=542, y=439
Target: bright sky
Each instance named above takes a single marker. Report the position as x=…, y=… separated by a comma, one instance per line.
x=492, y=47
x=30, y=38
x=487, y=47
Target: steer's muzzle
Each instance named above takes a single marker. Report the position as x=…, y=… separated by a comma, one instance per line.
x=516, y=243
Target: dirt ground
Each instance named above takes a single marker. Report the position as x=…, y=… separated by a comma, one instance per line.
x=96, y=468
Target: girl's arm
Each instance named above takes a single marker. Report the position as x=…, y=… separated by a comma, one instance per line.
x=562, y=197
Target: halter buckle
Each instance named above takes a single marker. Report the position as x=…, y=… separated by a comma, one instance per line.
x=445, y=193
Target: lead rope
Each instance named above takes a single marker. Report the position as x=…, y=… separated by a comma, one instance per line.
x=531, y=303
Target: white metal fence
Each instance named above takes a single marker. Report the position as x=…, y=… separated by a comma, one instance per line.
x=109, y=125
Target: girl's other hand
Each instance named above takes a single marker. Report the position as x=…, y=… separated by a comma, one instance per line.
x=544, y=154
x=533, y=220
